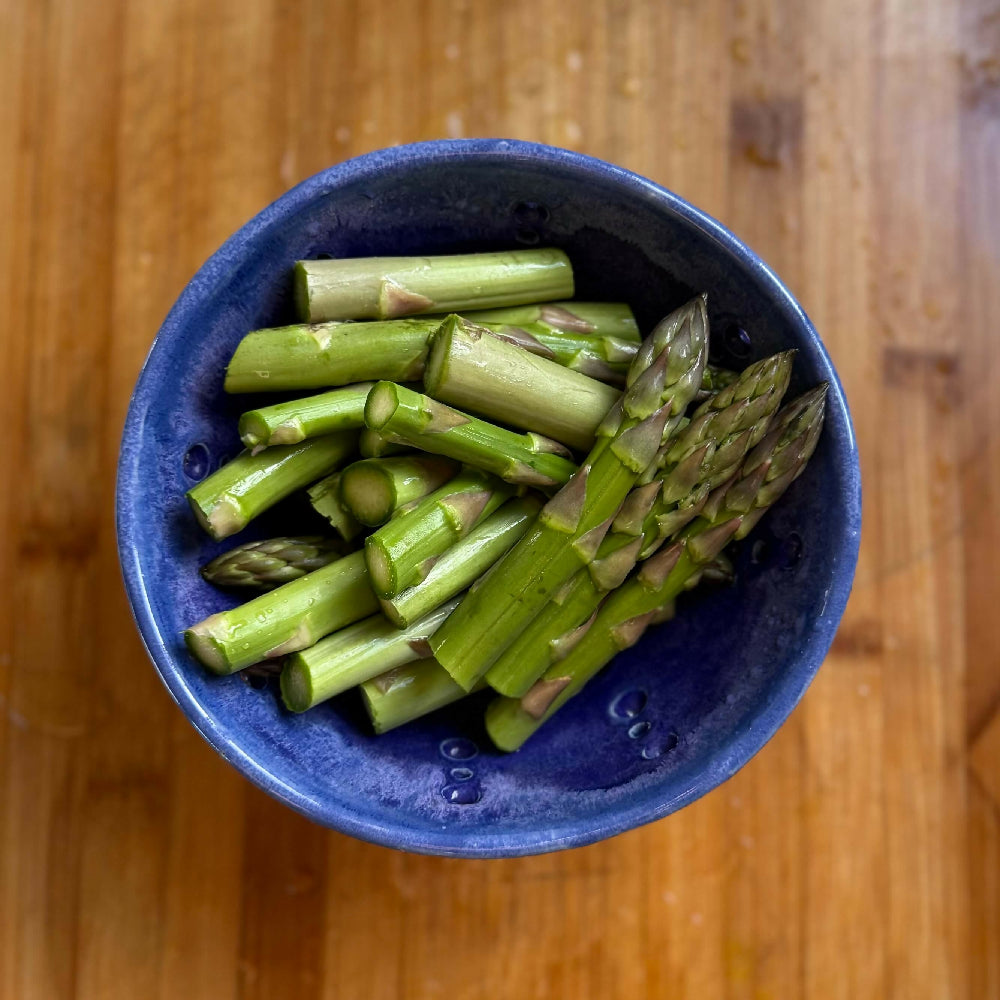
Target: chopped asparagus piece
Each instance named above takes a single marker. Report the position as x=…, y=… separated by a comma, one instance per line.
x=289, y=423
x=230, y=498
x=408, y=417
x=325, y=499
x=374, y=488
x=284, y=620
x=401, y=553
x=389, y=287
x=469, y=368
x=354, y=655
x=329, y=354
x=463, y=563
x=408, y=692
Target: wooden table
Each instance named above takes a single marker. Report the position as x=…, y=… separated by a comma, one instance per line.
x=856, y=145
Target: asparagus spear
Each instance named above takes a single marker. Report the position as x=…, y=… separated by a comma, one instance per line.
x=325, y=499
x=388, y=287
x=226, y=501
x=289, y=423
x=329, y=354
x=606, y=359
x=462, y=564
x=662, y=381
x=589, y=319
x=469, y=368
x=724, y=428
x=407, y=692
x=375, y=487
x=292, y=617
x=731, y=512
x=371, y=444
x=354, y=655
x=408, y=417
x=401, y=553
x=706, y=453
x=263, y=565
x=596, y=338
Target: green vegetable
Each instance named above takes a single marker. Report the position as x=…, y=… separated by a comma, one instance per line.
x=389, y=287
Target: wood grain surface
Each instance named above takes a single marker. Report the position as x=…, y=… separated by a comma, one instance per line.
x=856, y=145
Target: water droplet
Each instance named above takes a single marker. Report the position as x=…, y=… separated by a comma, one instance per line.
x=196, y=462
x=527, y=236
x=638, y=730
x=628, y=704
x=458, y=748
x=462, y=795
x=323, y=255
x=654, y=750
x=460, y=773
x=759, y=551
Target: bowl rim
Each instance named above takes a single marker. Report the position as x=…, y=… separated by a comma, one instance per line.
x=458, y=841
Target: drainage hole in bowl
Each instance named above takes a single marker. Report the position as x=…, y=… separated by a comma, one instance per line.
x=627, y=705
x=653, y=750
x=458, y=748
x=530, y=213
x=462, y=795
x=791, y=550
x=736, y=341
x=196, y=462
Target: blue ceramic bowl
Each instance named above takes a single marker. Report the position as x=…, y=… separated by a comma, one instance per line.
x=674, y=716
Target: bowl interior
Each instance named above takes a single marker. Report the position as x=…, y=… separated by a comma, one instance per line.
x=675, y=715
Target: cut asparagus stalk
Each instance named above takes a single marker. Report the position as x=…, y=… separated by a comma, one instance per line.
x=325, y=499
x=230, y=498
x=462, y=564
x=329, y=354
x=354, y=655
x=408, y=692
x=598, y=339
x=663, y=380
x=704, y=455
x=264, y=565
x=388, y=287
x=375, y=487
x=409, y=417
x=731, y=512
x=469, y=368
x=289, y=423
x=606, y=359
x=284, y=620
x=593, y=319
x=401, y=553
x=371, y=444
